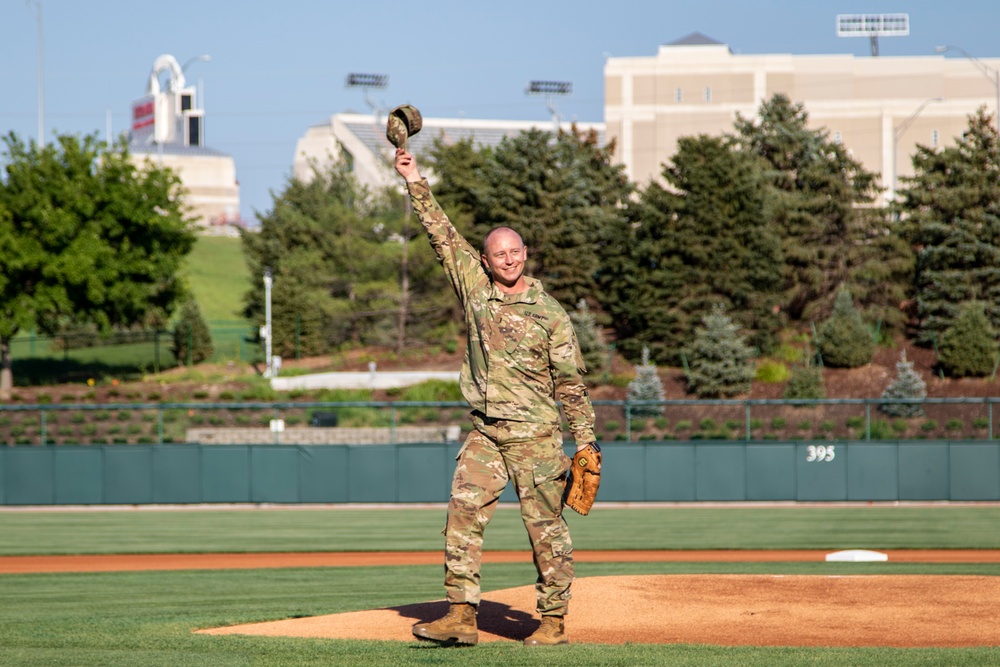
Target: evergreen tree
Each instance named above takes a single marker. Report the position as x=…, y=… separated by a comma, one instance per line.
x=844, y=340
x=701, y=241
x=830, y=236
x=806, y=381
x=349, y=267
x=720, y=363
x=907, y=384
x=646, y=386
x=950, y=213
x=592, y=347
x=563, y=193
x=192, y=338
x=969, y=345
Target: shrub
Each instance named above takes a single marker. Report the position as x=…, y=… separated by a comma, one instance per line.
x=733, y=424
x=844, y=340
x=771, y=372
x=192, y=338
x=779, y=423
x=647, y=386
x=981, y=422
x=720, y=363
x=969, y=347
x=805, y=425
x=954, y=424
x=880, y=430
x=855, y=422
x=827, y=425
x=928, y=425
x=683, y=425
x=612, y=425
x=806, y=382
x=661, y=422
x=707, y=424
x=899, y=425
x=756, y=424
x=908, y=384
x=78, y=418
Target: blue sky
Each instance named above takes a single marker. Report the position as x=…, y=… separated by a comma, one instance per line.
x=278, y=67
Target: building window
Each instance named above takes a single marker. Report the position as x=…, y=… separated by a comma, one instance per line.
x=708, y=94
x=678, y=94
x=194, y=130
x=935, y=137
x=186, y=102
x=838, y=137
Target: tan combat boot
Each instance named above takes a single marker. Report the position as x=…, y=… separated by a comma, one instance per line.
x=551, y=632
x=458, y=626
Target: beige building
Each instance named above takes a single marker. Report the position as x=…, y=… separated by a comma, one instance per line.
x=879, y=107
x=168, y=129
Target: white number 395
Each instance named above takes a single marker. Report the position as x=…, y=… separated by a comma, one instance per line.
x=820, y=453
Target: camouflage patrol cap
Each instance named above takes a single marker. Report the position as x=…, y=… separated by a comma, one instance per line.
x=404, y=121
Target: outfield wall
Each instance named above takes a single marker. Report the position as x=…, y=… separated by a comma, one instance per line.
x=421, y=473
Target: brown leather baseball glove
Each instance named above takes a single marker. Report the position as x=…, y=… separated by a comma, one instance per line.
x=585, y=479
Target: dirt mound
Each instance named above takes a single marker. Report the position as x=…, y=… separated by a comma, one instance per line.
x=755, y=610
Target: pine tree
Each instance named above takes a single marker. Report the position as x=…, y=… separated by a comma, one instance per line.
x=592, y=347
x=950, y=212
x=702, y=240
x=907, y=384
x=819, y=209
x=720, y=363
x=646, y=386
x=192, y=338
x=969, y=346
x=844, y=340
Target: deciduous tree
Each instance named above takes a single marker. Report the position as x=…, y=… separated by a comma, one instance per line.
x=86, y=236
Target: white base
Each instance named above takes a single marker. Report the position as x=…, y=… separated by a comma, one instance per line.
x=856, y=556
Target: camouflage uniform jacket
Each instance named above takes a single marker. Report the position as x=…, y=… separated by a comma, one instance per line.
x=522, y=354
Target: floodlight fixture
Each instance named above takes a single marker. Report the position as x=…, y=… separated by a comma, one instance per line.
x=873, y=26
x=550, y=88
x=355, y=80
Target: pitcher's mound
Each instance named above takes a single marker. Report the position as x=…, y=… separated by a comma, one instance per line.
x=756, y=610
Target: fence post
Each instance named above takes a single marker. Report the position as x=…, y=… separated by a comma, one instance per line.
x=746, y=418
x=868, y=420
x=159, y=424
x=392, y=424
x=44, y=411
x=628, y=422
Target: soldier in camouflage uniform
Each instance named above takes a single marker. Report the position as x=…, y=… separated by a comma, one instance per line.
x=522, y=357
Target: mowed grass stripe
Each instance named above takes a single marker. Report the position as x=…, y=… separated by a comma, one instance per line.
x=405, y=529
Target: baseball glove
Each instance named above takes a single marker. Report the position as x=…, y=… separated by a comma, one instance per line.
x=585, y=478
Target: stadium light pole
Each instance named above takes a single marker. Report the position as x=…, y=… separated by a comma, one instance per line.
x=366, y=82
x=268, y=281
x=990, y=73
x=550, y=88
x=37, y=4
x=898, y=132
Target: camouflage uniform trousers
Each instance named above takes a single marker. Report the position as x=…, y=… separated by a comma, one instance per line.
x=532, y=456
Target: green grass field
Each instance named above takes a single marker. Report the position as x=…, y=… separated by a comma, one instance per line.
x=145, y=619
x=217, y=274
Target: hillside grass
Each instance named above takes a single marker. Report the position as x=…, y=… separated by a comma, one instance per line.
x=217, y=274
